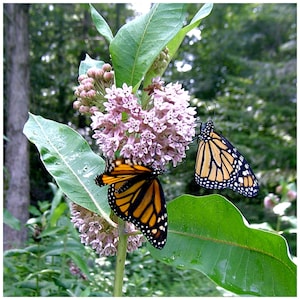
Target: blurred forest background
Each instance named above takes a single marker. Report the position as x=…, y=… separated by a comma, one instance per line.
x=239, y=67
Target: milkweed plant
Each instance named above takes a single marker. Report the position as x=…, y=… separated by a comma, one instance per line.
x=136, y=115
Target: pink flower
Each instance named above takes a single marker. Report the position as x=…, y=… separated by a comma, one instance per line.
x=270, y=201
x=91, y=90
x=153, y=136
x=97, y=233
x=292, y=195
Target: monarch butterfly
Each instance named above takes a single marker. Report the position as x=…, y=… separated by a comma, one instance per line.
x=136, y=195
x=219, y=165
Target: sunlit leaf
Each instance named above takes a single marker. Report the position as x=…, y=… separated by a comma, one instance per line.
x=71, y=162
x=138, y=43
x=210, y=235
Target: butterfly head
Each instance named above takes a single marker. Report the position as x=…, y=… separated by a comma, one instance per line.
x=206, y=129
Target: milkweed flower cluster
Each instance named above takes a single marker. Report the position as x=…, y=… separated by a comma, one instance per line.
x=152, y=136
x=155, y=133
x=96, y=232
x=91, y=90
x=278, y=204
x=271, y=200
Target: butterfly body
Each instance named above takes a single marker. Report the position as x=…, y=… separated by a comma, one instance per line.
x=136, y=195
x=219, y=165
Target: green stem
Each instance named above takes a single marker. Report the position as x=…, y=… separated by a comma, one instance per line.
x=120, y=263
x=278, y=225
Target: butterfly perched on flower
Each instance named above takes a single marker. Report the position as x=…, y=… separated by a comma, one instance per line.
x=219, y=165
x=136, y=195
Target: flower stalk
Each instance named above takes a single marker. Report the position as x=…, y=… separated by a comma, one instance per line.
x=121, y=257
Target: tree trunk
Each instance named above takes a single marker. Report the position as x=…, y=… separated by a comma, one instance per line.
x=16, y=45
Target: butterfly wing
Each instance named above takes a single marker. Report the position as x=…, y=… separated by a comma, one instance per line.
x=219, y=165
x=136, y=195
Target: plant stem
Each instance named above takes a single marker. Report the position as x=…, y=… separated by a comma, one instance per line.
x=278, y=224
x=120, y=263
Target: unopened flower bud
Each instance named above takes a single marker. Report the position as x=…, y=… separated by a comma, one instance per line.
x=106, y=67
x=76, y=104
x=84, y=109
x=99, y=74
x=292, y=195
x=278, y=189
x=92, y=72
x=108, y=76
x=270, y=201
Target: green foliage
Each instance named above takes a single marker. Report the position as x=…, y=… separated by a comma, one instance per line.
x=69, y=159
x=60, y=37
x=146, y=276
x=42, y=268
x=177, y=40
x=10, y=220
x=101, y=25
x=133, y=49
x=210, y=235
x=227, y=252
x=55, y=263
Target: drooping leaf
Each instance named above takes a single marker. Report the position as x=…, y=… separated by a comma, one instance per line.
x=71, y=162
x=101, y=25
x=138, y=43
x=210, y=235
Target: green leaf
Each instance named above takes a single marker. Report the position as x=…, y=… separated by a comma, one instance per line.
x=138, y=43
x=210, y=235
x=174, y=44
x=11, y=220
x=57, y=213
x=80, y=262
x=101, y=25
x=57, y=207
x=89, y=63
x=52, y=231
x=16, y=252
x=69, y=159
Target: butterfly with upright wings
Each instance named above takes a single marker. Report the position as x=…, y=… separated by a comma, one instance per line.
x=136, y=195
x=219, y=165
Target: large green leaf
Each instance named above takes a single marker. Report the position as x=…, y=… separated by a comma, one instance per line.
x=71, y=162
x=138, y=43
x=210, y=235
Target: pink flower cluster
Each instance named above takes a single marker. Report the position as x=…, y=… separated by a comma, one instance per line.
x=153, y=136
x=96, y=232
x=91, y=90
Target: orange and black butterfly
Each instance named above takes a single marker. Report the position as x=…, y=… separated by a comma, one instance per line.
x=136, y=195
x=219, y=165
